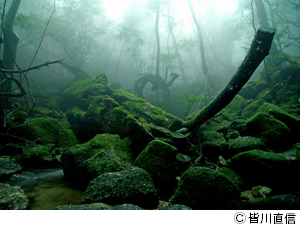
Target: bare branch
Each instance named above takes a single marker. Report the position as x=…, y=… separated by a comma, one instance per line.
x=31, y=68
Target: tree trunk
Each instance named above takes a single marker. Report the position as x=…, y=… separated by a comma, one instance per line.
x=201, y=45
x=157, y=38
x=9, y=52
x=171, y=26
x=263, y=21
x=258, y=51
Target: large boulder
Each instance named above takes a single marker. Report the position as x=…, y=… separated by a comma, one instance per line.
x=40, y=130
x=12, y=198
x=204, y=188
x=159, y=160
x=104, y=153
x=242, y=144
x=8, y=168
x=67, y=138
x=267, y=168
x=133, y=186
x=292, y=122
x=276, y=134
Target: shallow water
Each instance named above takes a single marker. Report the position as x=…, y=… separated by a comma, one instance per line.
x=47, y=189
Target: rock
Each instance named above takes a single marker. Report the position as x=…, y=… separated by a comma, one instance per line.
x=23, y=176
x=67, y=138
x=278, y=202
x=292, y=122
x=38, y=157
x=98, y=206
x=276, y=135
x=213, y=144
x=232, y=135
x=104, y=153
x=202, y=188
x=236, y=178
x=253, y=88
x=242, y=144
x=267, y=169
x=133, y=186
x=159, y=160
x=8, y=168
x=40, y=130
x=261, y=191
x=12, y=198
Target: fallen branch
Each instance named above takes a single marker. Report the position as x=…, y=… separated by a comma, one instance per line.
x=29, y=69
x=259, y=49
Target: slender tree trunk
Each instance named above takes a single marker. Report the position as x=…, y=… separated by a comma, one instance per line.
x=157, y=38
x=263, y=21
x=181, y=66
x=9, y=52
x=258, y=51
x=201, y=45
x=118, y=63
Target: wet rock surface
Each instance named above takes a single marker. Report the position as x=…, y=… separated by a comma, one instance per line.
x=12, y=198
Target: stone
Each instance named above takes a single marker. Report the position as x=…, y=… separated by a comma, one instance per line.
x=8, y=168
x=98, y=206
x=67, y=138
x=12, y=198
x=133, y=186
x=104, y=153
x=242, y=144
x=203, y=188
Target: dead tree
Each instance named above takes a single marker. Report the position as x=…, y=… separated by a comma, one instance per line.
x=259, y=49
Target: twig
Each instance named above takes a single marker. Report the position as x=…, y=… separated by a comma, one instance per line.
x=31, y=68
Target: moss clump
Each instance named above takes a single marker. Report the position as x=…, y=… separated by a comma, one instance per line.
x=274, y=132
x=202, y=188
x=234, y=108
x=67, y=138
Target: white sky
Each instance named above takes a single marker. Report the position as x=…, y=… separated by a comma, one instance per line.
x=115, y=8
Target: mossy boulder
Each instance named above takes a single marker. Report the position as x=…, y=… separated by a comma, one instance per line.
x=275, y=134
x=104, y=153
x=242, y=144
x=267, y=169
x=41, y=130
x=12, y=198
x=213, y=144
x=252, y=108
x=8, y=168
x=133, y=186
x=67, y=138
x=236, y=178
x=203, y=188
x=159, y=160
x=38, y=157
x=292, y=122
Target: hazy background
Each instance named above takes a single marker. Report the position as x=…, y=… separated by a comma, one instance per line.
x=117, y=37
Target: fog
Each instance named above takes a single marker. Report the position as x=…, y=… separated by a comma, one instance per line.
x=118, y=38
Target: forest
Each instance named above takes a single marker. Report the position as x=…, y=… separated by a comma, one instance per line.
x=152, y=104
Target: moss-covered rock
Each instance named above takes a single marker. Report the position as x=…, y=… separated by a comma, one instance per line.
x=67, y=138
x=252, y=108
x=276, y=135
x=8, y=168
x=242, y=144
x=159, y=160
x=41, y=130
x=203, y=188
x=253, y=88
x=12, y=198
x=236, y=178
x=38, y=157
x=291, y=121
x=104, y=153
x=133, y=186
x=213, y=144
x=267, y=169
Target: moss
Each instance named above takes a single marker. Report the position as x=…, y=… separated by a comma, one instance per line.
x=234, y=108
x=67, y=138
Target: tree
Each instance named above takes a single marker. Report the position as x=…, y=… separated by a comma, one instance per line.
x=258, y=51
x=9, y=53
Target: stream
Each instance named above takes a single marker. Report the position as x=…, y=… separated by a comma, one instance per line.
x=46, y=189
